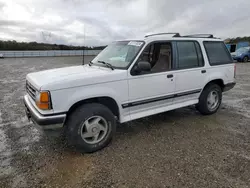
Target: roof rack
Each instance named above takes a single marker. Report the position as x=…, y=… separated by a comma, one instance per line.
x=199, y=36
x=174, y=34
x=178, y=35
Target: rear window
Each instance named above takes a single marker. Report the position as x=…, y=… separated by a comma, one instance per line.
x=217, y=53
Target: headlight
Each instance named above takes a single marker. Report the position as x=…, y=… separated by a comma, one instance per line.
x=43, y=100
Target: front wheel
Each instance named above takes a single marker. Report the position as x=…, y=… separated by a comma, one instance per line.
x=245, y=59
x=210, y=99
x=90, y=127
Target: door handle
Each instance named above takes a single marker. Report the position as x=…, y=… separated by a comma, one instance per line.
x=203, y=71
x=170, y=76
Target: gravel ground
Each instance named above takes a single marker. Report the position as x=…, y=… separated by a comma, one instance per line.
x=180, y=148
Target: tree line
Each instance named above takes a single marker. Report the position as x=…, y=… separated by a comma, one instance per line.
x=238, y=39
x=14, y=45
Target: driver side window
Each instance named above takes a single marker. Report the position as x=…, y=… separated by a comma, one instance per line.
x=159, y=55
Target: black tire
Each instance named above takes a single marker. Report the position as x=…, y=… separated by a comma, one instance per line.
x=79, y=116
x=202, y=106
x=245, y=59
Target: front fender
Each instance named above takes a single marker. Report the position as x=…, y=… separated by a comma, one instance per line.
x=62, y=100
x=92, y=93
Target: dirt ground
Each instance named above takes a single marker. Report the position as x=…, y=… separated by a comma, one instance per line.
x=180, y=148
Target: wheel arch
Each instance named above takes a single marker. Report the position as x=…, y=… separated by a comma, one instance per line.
x=217, y=81
x=109, y=102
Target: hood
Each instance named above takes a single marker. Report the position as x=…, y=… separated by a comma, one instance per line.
x=73, y=76
x=236, y=53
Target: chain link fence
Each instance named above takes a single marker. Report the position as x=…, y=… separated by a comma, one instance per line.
x=50, y=53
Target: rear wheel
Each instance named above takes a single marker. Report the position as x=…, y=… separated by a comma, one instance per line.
x=245, y=59
x=90, y=127
x=210, y=99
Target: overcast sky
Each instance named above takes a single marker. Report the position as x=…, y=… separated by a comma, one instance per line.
x=63, y=21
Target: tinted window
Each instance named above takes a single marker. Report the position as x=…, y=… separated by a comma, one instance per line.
x=187, y=55
x=217, y=53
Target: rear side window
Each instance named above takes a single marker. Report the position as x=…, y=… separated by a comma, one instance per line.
x=217, y=53
x=189, y=55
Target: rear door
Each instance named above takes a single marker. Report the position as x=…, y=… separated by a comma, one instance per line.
x=190, y=74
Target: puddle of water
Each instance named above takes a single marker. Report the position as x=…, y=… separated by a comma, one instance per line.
x=31, y=133
x=5, y=155
x=27, y=138
x=23, y=121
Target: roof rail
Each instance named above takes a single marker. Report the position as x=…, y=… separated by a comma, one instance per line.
x=174, y=34
x=199, y=36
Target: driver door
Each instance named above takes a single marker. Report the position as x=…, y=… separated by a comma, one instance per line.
x=153, y=91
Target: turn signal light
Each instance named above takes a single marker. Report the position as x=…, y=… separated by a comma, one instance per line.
x=43, y=106
x=43, y=102
x=44, y=97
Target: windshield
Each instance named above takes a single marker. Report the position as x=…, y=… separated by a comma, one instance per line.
x=242, y=50
x=119, y=54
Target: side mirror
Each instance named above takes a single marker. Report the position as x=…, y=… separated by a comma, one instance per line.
x=144, y=66
x=141, y=67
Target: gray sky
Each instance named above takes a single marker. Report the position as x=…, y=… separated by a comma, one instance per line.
x=63, y=21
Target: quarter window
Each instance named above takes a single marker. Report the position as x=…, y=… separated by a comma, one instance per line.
x=217, y=53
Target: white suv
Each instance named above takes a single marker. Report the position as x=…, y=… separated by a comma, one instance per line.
x=128, y=80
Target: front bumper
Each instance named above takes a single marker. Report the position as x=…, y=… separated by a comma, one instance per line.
x=44, y=121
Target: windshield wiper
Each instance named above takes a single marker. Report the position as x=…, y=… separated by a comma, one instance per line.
x=107, y=64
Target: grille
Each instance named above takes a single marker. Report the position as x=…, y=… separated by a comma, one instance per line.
x=31, y=90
